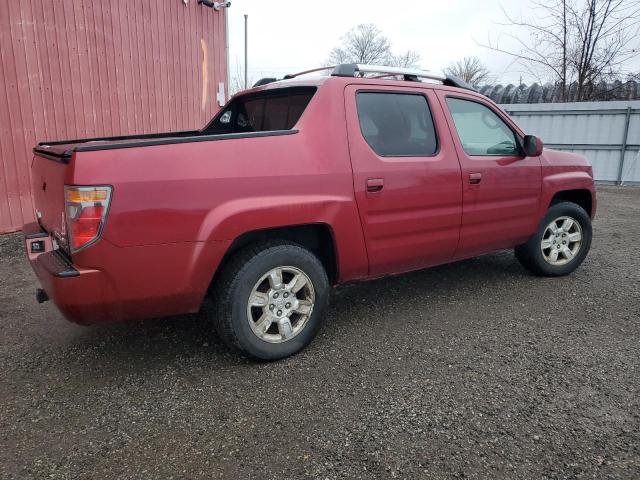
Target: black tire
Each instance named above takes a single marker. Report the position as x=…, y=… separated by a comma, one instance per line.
x=235, y=284
x=530, y=254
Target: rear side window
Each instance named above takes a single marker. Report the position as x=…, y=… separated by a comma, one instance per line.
x=397, y=124
x=262, y=112
x=481, y=130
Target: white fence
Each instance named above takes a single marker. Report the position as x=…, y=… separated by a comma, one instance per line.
x=607, y=133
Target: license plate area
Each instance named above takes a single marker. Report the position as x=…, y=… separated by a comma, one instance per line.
x=37, y=246
x=36, y=240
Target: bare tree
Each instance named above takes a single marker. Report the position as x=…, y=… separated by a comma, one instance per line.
x=408, y=59
x=469, y=69
x=367, y=44
x=575, y=43
x=362, y=44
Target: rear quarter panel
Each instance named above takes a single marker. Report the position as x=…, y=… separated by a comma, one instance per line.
x=207, y=193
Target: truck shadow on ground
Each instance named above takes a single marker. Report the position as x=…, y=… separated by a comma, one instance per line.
x=152, y=344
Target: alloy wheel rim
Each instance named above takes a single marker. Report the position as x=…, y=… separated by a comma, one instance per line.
x=561, y=241
x=280, y=304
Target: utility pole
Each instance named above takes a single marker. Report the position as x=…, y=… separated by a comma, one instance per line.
x=245, y=52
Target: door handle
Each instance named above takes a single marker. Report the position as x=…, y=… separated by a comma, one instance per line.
x=375, y=185
x=475, y=178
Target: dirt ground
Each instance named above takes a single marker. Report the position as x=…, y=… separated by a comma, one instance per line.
x=471, y=370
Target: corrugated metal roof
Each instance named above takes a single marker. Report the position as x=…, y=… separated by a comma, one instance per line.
x=73, y=69
x=549, y=93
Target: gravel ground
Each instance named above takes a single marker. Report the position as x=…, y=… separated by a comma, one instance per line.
x=473, y=370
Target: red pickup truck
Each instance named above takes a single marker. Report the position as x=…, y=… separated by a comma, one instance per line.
x=297, y=185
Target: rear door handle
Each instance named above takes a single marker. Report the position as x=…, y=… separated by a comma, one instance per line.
x=375, y=185
x=475, y=178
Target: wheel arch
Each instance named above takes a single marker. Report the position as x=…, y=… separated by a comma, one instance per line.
x=573, y=186
x=581, y=197
x=318, y=238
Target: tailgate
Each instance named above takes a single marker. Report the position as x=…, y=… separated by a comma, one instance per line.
x=48, y=176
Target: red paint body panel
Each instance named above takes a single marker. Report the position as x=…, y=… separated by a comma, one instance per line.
x=414, y=221
x=177, y=208
x=501, y=209
x=133, y=282
x=565, y=171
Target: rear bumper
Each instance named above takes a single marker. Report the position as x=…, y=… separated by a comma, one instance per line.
x=82, y=295
x=109, y=283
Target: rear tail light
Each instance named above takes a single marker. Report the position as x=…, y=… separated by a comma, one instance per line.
x=86, y=211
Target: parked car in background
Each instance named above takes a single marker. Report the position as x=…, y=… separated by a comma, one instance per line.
x=295, y=186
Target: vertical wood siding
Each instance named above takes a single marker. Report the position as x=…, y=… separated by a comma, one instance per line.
x=81, y=68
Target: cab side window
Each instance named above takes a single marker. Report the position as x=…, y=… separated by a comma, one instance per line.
x=481, y=131
x=397, y=124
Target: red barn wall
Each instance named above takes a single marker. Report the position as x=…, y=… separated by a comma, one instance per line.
x=88, y=68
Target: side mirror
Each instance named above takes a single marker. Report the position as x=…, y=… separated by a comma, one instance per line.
x=532, y=146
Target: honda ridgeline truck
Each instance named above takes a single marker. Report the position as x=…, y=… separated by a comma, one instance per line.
x=295, y=186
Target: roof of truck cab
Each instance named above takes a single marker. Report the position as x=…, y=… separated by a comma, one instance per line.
x=317, y=81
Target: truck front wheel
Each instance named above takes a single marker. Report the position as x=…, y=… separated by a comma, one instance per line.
x=270, y=299
x=561, y=243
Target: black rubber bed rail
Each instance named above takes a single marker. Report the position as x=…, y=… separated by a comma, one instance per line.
x=141, y=136
x=64, y=155
x=61, y=156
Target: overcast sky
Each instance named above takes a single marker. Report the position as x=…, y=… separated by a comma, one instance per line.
x=293, y=35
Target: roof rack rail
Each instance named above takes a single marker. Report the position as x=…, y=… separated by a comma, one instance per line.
x=267, y=80
x=294, y=75
x=356, y=70
x=409, y=74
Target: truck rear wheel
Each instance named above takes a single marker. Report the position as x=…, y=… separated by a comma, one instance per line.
x=270, y=299
x=561, y=243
